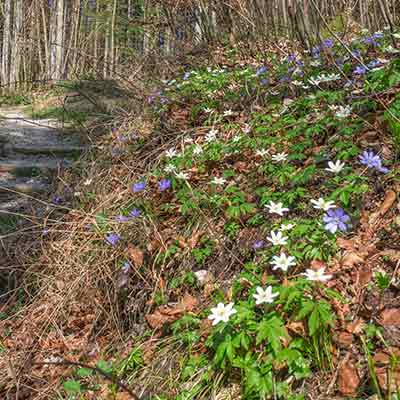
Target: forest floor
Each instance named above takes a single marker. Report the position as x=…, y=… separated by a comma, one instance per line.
x=236, y=239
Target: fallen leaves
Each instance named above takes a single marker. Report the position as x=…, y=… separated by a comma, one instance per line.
x=348, y=378
x=168, y=313
x=135, y=255
x=388, y=202
x=390, y=317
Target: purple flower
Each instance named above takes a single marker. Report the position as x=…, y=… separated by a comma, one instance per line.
x=258, y=244
x=291, y=57
x=114, y=129
x=57, y=200
x=377, y=35
x=372, y=160
x=374, y=64
x=370, y=40
x=356, y=53
x=112, y=239
x=134, y=213
x=264, y=81
x=164, y=184
x=261, y=70
x=316, y=52
x=335, y=219
x=360, y=70
x=138, y=186
x=122, y=218
x=328, y=43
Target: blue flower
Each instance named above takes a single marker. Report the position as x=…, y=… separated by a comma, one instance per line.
x=261, y=70
x=374, y=64
x=164, y=184
x=335, y=219
x=264, y=81
x=360, y=70
x=138, y=186
x=258, y=244
x=328, y=43
x=356, y=53
x=377, y=35
x=372, y=160
x=370, y=40
x=316, y=52
x=112, y=239
x=186, y=76
x=57, y=200
x=134, y=213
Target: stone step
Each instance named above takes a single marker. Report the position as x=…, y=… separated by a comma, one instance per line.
x=22, y=185
x=13, y=206
x=43, y=148
x=27, y=166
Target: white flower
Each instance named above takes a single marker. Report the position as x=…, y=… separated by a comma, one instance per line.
x=335, y=167
x=297, y=83
x=183, y=175
x=236, y=139
x=322, y=204
x=315, y=63
x=228, y=113
x=279, y=157
x=211, y=135
x=276, y=208
x=221, y=313
x=208, y=110
x=87, y=182
x=343, y=111
x=169, y=168
x=202, y=276
x=218, y=181
x=277, y=239
x=283, y=262
x=319, y=275
x=286, y=227
x=197, y=150
x=262, y=152
x=171, y=153
x=264, y=295
x=246, y=129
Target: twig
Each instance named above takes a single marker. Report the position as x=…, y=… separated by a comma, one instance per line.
x=105, y=374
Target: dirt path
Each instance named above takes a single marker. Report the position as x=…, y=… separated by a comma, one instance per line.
x=32, y=155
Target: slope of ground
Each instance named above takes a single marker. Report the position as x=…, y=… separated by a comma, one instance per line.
x=267, y=188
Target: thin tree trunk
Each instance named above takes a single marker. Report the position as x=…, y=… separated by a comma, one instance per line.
x=5, y=61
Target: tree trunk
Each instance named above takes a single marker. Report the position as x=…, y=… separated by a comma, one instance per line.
x=5, y=61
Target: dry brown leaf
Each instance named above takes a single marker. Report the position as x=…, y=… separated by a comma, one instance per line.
x=136, y=255
x=317, y=264
x=383, y=378
x=167, y=314
x=196, y=235
x=351, y=259
x=345, y=243
x=390, y=198
x=344, y=339
x=394, y=255
x=390, y=316
x=356, y=326
x=296, y=327
x=348, y=379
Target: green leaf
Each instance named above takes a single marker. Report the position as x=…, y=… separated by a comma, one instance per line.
x=273, y=330
x=72, y=387
x=104, y=366
x=84, y=372
x=314, y=321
